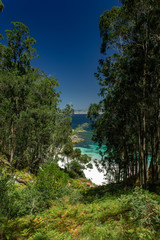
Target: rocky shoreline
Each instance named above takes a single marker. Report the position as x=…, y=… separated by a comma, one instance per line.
x=76, y=139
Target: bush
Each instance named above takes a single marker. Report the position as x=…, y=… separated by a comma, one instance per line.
x=75, y=169
x=50, y=180
x=144, y=214
x=17, y=201
x=74, y=195
x=144, y=209
x=5, y=186
x=28, y=201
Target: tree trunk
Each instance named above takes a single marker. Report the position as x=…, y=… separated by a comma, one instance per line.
x=140, y=155
x=12, y=144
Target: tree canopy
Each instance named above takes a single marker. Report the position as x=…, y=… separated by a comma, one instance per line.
x=31, y=125
x=129, y=78
x=19, y=51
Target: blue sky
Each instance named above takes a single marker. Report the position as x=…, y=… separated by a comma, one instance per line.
x=68, y=42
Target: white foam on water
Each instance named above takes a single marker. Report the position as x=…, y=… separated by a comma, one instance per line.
x=93, y=174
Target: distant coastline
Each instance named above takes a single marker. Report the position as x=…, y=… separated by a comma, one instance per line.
x=81, y=111
x=85, y=112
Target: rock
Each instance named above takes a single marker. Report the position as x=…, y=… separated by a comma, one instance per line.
x=76, y=139
x=19, y=180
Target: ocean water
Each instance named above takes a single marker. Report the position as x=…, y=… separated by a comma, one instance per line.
x=88, y=146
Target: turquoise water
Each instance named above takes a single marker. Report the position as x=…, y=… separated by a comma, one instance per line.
x=88, y=146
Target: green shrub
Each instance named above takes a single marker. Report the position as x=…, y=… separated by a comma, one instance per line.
x=144, y=209
x=17, y=201
x=74, y=195
x=75, y=169
x=4, y=190
x=50, y=180
x=144, y=214
x=28, y=200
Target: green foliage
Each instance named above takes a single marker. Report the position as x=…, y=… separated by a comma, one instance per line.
x=4, y=191
x=68, y=148
x=27, y=200
x=18, y=201
x=85, y=159
x=128, y=74
x=133, y=215
x=50, y=180
x=76, y=153
x=63, y=128
x=81, y=128
x=74, y=169
x=19, y=52
x=28, y=104
x=1, y=6
x=74, y=196
x=77, y=162
x=28, y=109
x=38, y=236
x=145, y=210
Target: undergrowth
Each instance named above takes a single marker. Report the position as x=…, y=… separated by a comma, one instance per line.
x=70, y=210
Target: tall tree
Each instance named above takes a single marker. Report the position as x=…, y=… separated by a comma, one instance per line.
x=28, y=103
x=129, y=77
x=63, y=126
x=28, y=106
x=19, y=52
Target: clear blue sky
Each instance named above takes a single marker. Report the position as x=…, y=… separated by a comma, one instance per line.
x=68, y=42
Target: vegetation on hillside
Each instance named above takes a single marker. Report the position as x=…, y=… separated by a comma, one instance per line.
x=54, y=206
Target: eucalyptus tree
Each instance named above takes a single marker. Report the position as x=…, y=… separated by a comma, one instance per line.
x=32, y=125
x=28, y=103
x=129, y=76
x=28, y=108
x=145, y=46
x=38, y=119
x=116, y=90
x=1, y=37
x=15, y=61
x=63, y=130
x=19, y=51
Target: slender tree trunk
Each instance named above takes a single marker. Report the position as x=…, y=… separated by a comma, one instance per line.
x=144, y=160
x=147, y=173
x=136, y=164
x=12, y=144
x=140, y=155
x=158, y=131
x=145, y=48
